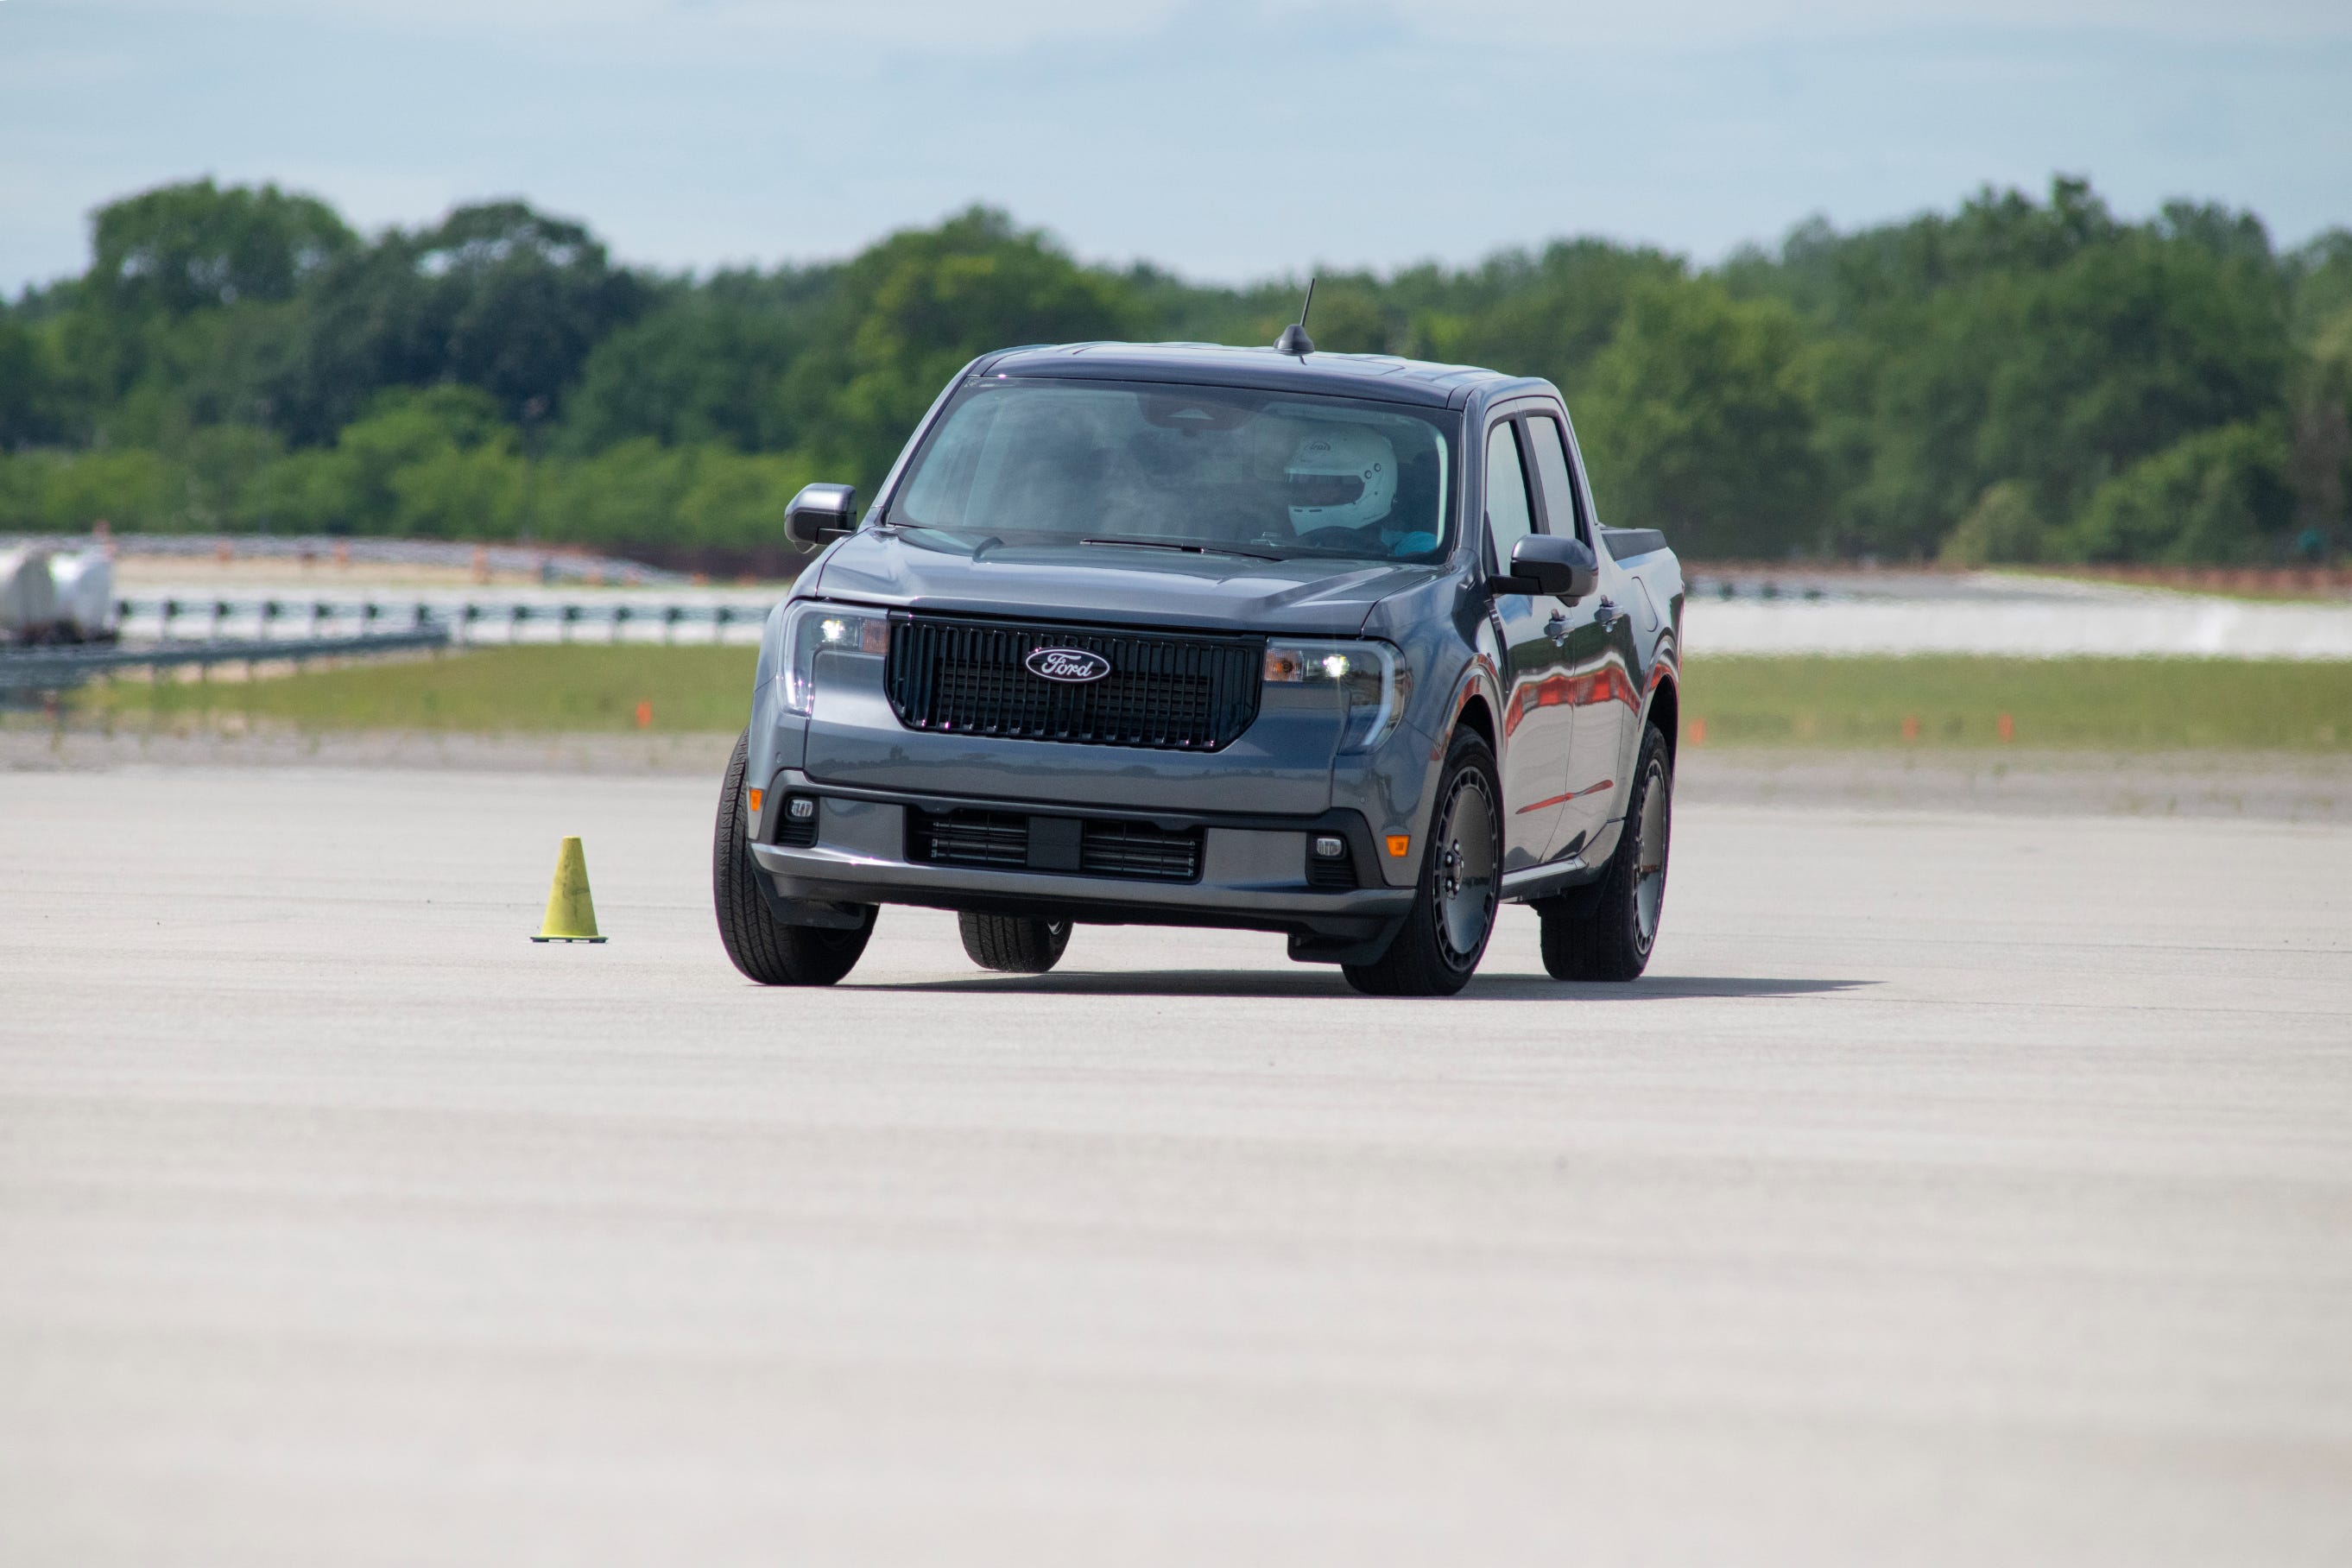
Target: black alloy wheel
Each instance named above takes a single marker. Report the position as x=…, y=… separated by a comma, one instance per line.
x=1460, y=887
x=1606, y=931
x=766, y=949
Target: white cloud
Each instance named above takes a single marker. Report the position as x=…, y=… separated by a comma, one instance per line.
x=696, y=134
x=1702, y=23
x=904, y=24
x=1006, y=25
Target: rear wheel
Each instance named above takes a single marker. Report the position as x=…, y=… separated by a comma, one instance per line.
x=1461, y=880
x=1013, y=944
x=766, y=949
x=1607, y=933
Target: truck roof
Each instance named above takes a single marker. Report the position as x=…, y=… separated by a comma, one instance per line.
x=1382, y=376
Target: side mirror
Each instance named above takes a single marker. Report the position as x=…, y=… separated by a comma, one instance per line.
x=1547, y=564
x=821, y=512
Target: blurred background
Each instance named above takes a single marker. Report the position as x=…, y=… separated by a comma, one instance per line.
x=1854, y=308
x=2062, y=283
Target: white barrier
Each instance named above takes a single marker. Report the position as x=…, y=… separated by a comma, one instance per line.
x=2138, y=625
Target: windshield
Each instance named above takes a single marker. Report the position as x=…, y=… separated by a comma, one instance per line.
x=1274, y=475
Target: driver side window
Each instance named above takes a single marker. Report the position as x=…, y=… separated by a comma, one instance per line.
x=1561, y=508
x=1510, y=518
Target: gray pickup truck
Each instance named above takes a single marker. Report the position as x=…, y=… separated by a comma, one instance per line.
x=1328, y=645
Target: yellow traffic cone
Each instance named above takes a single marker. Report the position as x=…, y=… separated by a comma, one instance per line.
x=571, y=914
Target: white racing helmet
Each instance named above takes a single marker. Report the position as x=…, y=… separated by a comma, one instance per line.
x=1343, y=476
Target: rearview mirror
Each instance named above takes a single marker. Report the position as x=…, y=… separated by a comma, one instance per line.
x=821, y=512
x=1547, y=564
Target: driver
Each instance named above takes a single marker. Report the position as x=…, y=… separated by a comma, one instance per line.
x=1343, y=476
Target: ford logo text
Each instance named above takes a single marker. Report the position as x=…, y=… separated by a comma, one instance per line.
x=1066, y=664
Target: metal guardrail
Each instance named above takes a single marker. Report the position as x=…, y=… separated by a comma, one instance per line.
x=281, y=628
x=461, y=619
x=549, y=563
x=56, y=670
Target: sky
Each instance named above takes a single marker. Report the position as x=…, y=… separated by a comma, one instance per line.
x=1227, y=142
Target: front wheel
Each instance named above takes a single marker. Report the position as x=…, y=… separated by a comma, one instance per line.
x=1461, y=882
x=1606, y=932
x=764, y=948
x=1013, y=944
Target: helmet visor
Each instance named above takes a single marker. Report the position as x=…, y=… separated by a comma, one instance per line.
x=1323, y=490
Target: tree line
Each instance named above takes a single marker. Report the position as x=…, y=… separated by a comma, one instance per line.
x=2021, y=379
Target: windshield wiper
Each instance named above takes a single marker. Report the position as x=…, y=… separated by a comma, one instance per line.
x=1188, y=547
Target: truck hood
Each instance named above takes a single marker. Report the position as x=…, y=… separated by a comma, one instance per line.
x=1113, y=583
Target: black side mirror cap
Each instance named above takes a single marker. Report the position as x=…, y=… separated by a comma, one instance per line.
x=1547, y=564
x=821, y=512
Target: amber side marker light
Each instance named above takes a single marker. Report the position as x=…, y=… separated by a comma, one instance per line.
x=1398, y=843
x=757, y=795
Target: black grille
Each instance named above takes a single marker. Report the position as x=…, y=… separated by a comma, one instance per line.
x=970, y=839
x=1140, y=849
x=1176, y=693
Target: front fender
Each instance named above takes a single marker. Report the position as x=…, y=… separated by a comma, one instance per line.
x=1413, y=760
x=777, y=740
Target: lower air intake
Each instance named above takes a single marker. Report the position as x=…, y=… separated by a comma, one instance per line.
x=1140, y=849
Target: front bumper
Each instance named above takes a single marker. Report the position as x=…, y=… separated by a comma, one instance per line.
x=1252, y=872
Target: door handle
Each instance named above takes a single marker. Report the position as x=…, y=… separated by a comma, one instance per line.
x=1555, y=628
x=1606, y=613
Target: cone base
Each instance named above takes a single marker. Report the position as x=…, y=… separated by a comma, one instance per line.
x=568, y=939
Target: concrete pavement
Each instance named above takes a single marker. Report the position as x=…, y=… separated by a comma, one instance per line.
x=1959, y=1188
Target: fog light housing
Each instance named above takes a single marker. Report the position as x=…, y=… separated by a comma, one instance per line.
x=797, y=824
x=1330, y=866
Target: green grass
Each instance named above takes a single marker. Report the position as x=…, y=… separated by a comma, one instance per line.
x=2093, y=704
x=2098, y=704
x=570, y=690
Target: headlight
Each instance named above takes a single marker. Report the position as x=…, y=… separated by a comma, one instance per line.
x=1369, y=679
x=814, y=628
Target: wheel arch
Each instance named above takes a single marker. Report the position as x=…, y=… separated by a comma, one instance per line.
x=1478, y=715
x=1665, y=710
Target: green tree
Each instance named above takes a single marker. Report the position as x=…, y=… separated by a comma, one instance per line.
x=2002, y=527
x=910, y=311
x=67, y=492
x=2319, y=459
x=2218, y=496
x=1696, y=420
x=1555, y=318
x=1351, y=317
x=496, y=297
x=2124, y=351
x=186, y=248
x=409, y=431
x=2319, y=275
x=311, y=490
x=707, y=366
x=30, y=392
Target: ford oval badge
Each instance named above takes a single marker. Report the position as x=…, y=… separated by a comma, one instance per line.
x=1066, y=664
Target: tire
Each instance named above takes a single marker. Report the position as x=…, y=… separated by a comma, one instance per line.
x=764, y=948
x=1013, y=944
x=1607, y=933
x=1458, y=891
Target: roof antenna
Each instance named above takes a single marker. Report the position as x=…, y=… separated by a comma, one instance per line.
x=1294, y=339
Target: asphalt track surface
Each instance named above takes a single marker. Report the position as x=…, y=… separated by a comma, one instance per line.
x=1959, y=1189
